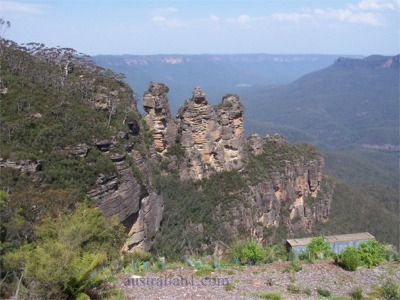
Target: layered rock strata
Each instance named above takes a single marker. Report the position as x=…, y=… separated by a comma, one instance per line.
x=291, y=197
x=159, y=118
x=211, y=137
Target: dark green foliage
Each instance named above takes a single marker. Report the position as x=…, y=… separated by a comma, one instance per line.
x=69, y=254
x=274, y=157
x=176, y=150
x=353, y=210
x=372, y=253
x=64, y=172
x=269, y=295
x=47, y=110
x=350, y=258
x=188, y=204
x=323, y=293
x=22, y=211
x=357, y=294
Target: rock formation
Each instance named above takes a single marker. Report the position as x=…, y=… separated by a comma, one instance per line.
x=128, y=194
x=212, y=140
x=291, y=197
x=158, y=118
x=212, y=137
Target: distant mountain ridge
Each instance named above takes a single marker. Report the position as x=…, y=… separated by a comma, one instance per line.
x=373, y=61
x=214, y=73
x=173, y=59
x=351, y=102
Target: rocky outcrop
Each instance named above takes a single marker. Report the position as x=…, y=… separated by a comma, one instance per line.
x=27, y=166
x=129, y=196
x=212, y=137
x=212, y=140
x=158, y=118
x=291, y=197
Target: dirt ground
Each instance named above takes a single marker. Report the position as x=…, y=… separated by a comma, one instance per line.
x=254, y=282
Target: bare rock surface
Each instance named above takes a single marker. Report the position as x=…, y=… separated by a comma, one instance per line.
x=159, y=118
x=212, y=137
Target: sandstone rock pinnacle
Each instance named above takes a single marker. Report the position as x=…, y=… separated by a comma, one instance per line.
x=158, y=118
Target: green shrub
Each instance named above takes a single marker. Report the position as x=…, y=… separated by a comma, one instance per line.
x=247, y=252
x=229, y=287
x=350, y=258
x=176, y=150
x=275, y=253
x=391, y=253
x=293, y=289
x=390, y=290
x=319, y=248
x=269, y=295
x=71, y=255
x=138, y=255
x=372, y=253
x=294, y=266
x=252, y=253
x=323, y=293
x=307, y=291
x=357, y=294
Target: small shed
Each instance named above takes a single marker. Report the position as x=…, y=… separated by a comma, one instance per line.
x=338, y=242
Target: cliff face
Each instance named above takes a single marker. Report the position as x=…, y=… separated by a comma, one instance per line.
x=158, y=118
x=290, y=197
x=212, y=137
x=129, y=196
x=212, y=140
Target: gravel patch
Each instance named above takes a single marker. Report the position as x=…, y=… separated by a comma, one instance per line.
x=252, y=281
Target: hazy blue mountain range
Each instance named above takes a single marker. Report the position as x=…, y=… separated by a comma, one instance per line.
x=215, y=74
x=352, y=102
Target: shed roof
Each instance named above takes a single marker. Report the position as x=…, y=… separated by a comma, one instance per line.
x=334, y=238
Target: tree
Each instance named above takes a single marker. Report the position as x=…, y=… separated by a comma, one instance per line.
x=70, y=255
x=4, y=25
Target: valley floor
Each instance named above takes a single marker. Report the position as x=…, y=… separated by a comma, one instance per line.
x=255, y=282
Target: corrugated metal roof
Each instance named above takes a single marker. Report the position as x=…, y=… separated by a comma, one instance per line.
x=334, y=238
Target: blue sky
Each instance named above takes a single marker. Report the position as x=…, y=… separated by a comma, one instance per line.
x=207, y=26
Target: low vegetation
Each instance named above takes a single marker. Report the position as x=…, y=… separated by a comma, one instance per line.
x=350, y=258
x=71, y=255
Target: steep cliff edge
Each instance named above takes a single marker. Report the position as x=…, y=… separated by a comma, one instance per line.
x=67, y=124
x=264, y=184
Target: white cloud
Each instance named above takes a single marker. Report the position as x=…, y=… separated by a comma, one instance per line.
x=165, y=11
x=158, y=19
x=319, y=11
x=18, y=7
x=215, y=18
x=291, y=17
x=242, y=19
x=366, y=12
x=173, y=22
x=346, y=15
x=162, y=17
x=375, y=5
